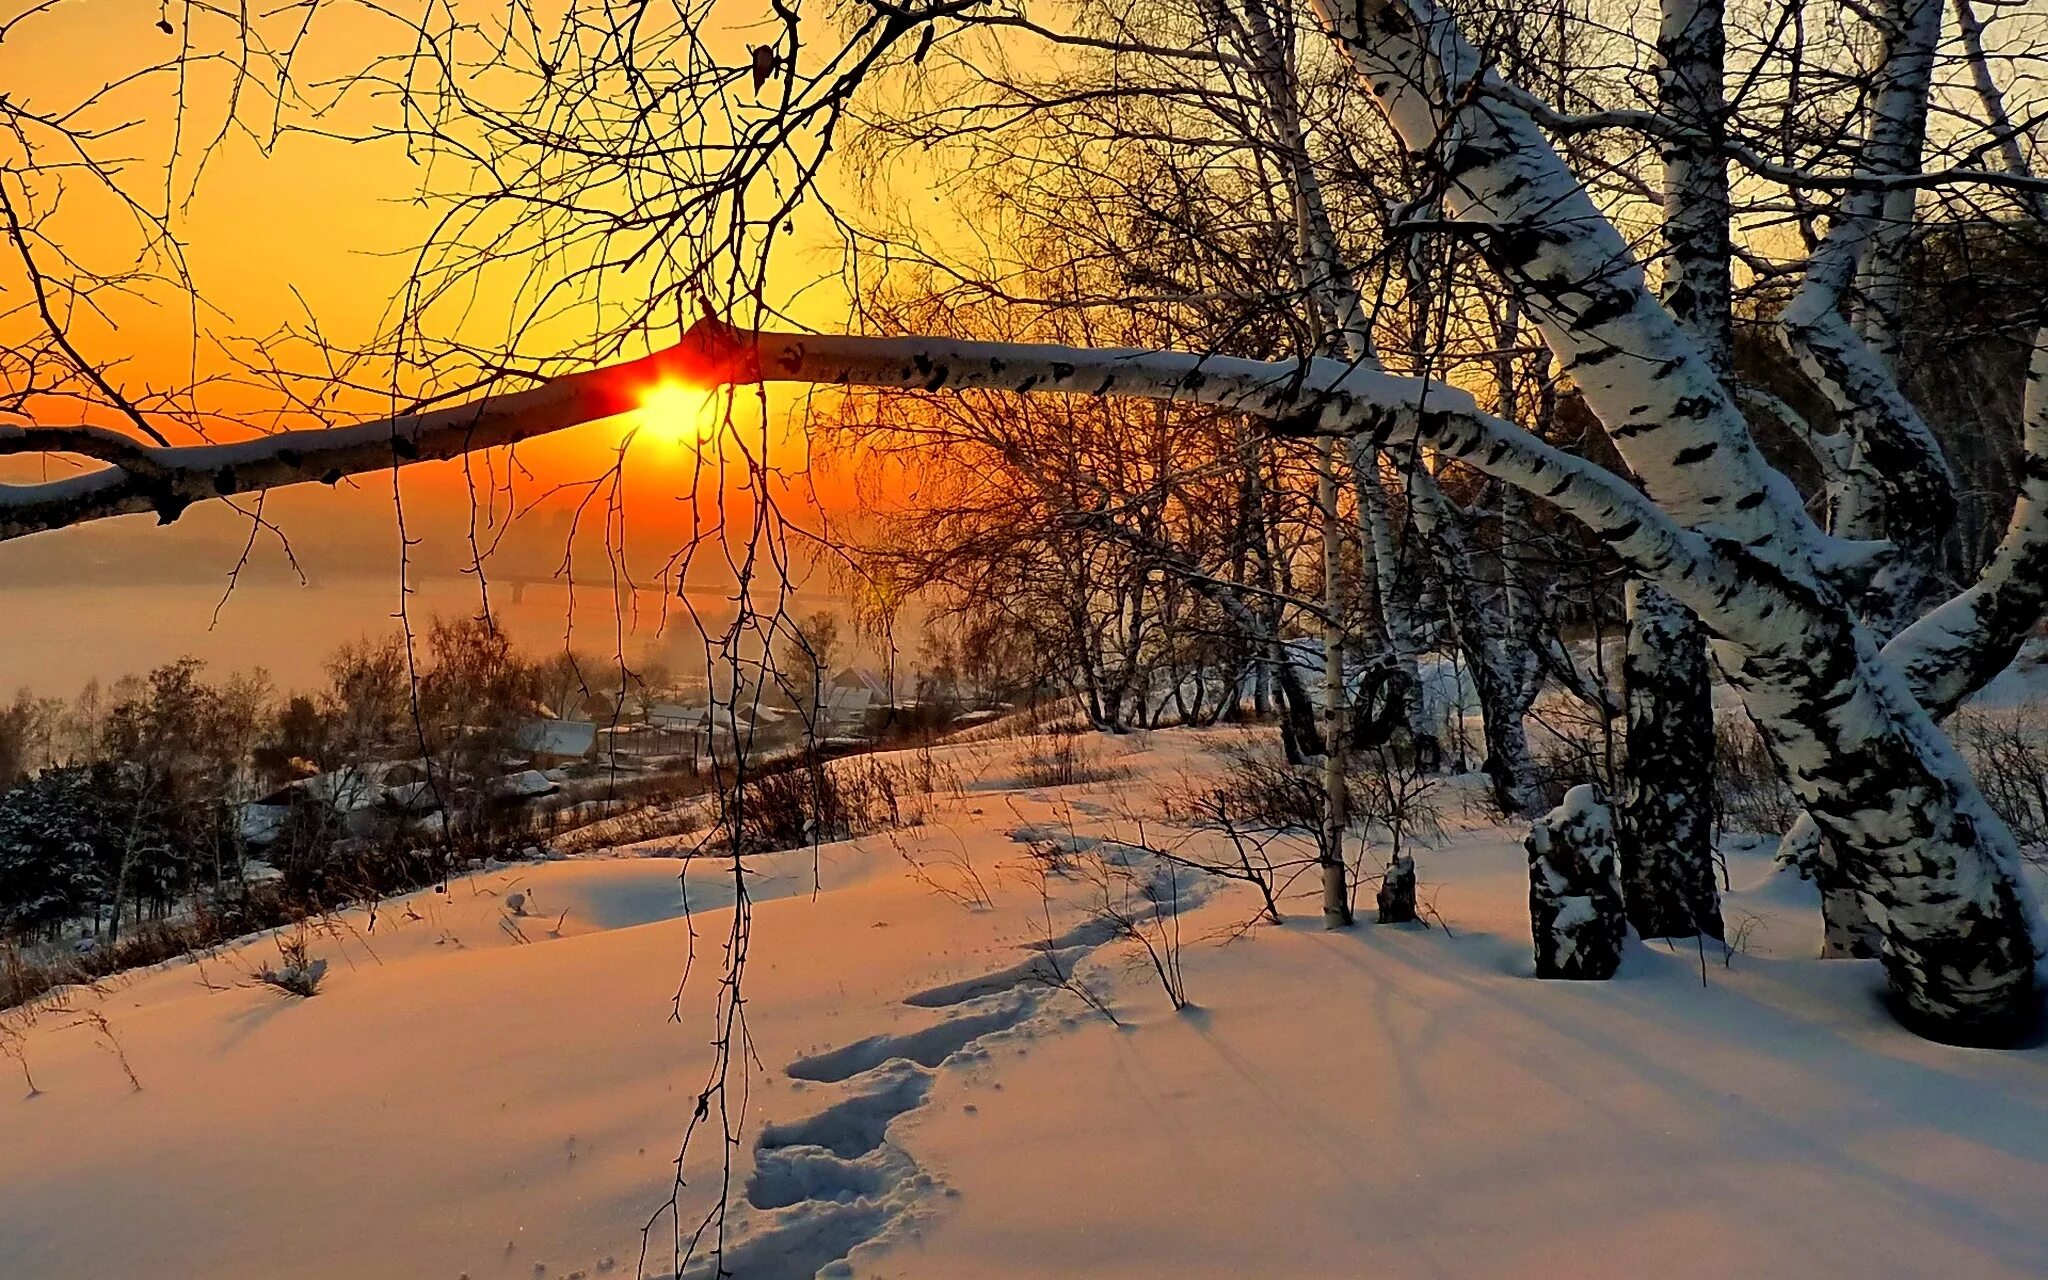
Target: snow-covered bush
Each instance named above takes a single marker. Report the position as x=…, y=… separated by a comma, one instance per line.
x=1575, y=903
x=296, y=971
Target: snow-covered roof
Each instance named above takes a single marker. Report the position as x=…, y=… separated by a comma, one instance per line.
x=523, y=785
x=848, y=703
x=557, y=737
x=867, y=678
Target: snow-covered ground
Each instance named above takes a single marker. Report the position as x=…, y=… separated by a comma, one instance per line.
x=480, y=1093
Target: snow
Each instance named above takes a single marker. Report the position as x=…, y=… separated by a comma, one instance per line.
x=480, y=1092
x=2023, y=683
x=524, y=784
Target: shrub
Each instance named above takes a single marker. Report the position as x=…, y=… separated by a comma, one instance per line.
x=1063, y=760
x=296, y=972
x=2008, y=751
x=1749, y=791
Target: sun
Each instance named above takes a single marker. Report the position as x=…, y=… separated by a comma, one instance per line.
x=676, y=413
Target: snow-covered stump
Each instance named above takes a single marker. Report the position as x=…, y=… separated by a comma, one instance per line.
x=1665, y=818
x=1575, y=906
x=1397, y=892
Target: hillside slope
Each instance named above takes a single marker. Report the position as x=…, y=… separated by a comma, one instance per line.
x=488, y=1093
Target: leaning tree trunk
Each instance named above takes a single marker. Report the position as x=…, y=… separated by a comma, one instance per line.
x=1575, y=910
x=1726, y=536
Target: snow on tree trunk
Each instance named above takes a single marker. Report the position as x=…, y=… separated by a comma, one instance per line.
x=1846, y=929
x=1665, y=820
x=1952, y=652
x=1902, y=488
x=1937, y=870
x=1666, y=812
x=1575, y=903
x=1397, y=892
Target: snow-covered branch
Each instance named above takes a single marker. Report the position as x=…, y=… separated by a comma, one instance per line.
x=1659, y=397
x=1959, y=646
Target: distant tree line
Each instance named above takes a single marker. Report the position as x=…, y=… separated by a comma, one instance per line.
x=123, y=804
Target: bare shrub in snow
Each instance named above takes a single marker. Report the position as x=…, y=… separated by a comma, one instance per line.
x=296, y=972
x=811, y=802
x=1395, y=795
x=951, y=875
x=1250, y=859
x=1064, y=760
x=2008, y=751
x=1751, y=793
x=1052, y=966
x=1258, y=788
x=1741, y=926
x=1574, y=742
x=1140, y=906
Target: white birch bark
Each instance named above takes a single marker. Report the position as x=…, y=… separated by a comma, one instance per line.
x=1390, y=596
x=1936, y=869
x=1901, y=487
x=1665, y=817
x=1911, y=31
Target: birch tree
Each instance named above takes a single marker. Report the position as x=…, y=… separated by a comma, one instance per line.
x=1702, y=515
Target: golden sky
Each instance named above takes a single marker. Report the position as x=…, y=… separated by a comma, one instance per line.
x=294, y=229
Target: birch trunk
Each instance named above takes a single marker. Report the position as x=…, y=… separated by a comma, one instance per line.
x=1666, y=816
x=1952, y=652
x=1480, y=621
x=1901, y=487
x=1336, y=788
x=1934, y=866
x=1391, y=600
x=1665, y=819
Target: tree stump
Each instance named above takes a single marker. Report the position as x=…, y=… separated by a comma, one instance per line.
x=1575, y=903
x=1397, y=892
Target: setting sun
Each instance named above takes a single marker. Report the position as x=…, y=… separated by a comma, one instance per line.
x=677, y=413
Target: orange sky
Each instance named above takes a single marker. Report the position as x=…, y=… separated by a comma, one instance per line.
x=321, y=229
